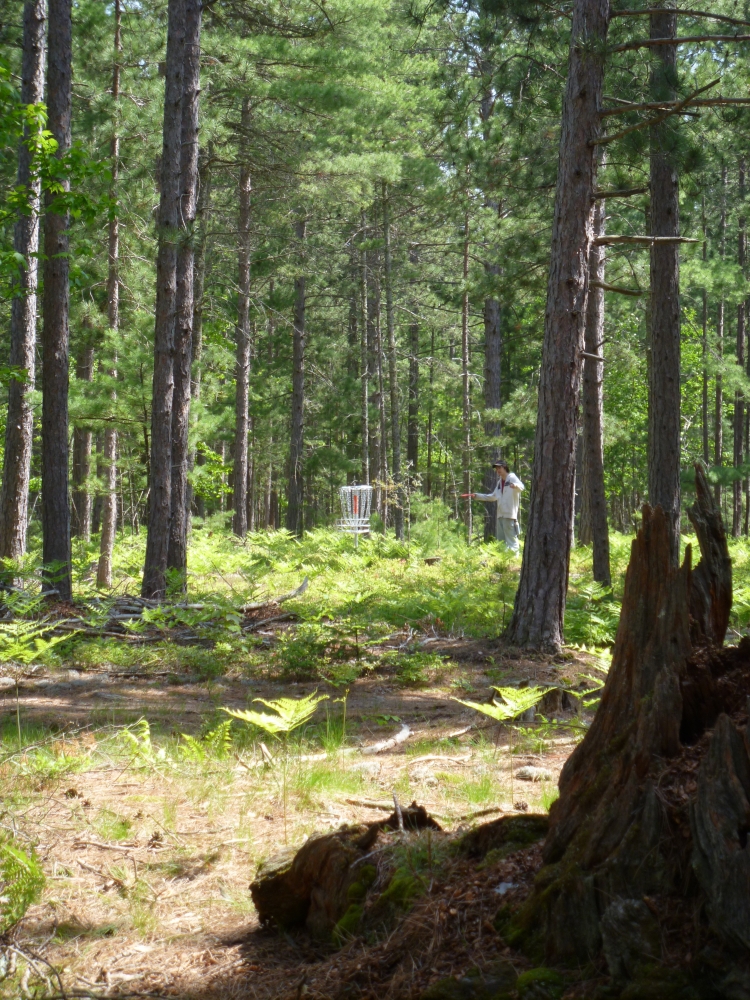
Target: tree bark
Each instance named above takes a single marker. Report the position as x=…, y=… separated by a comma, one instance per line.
x=183, y=337
x=19, y=427
x=55, y=331
x=719, y=389
x=664, y=386
x=242, y=372
x=202, y=214
x=540, y=600
x=80, y=526
x=428, y=473
x=412, y=425
x=466, y=383
x=615, y=834
x=704, y=347
x=493, y=348
x=160, y=478
x=398, y=506
x=739, y=399
x=382, y=449
x=109, y=507
x=594, y=529
x=296, y=479
x=364, y=356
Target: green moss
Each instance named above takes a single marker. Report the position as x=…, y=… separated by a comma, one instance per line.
x=402, y=890
x=349, y=924
x=494, y=982
x=540, y=984
x=367, y=875
x=654, y=982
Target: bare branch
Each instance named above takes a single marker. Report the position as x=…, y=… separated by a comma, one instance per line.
x=635, y=292
x=707, y=102
x=625, y=193
x=604, y=241
x=649, y=43
x=654, y=121
x=674, y=10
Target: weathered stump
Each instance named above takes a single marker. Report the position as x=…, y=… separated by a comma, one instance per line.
x=311, y=888
x=316, y=886
x=614, y=838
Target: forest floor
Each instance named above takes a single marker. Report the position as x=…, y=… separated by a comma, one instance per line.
x=150, y=810
x=149, y=841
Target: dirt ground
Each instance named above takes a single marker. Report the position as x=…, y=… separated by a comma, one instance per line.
x=148, y=862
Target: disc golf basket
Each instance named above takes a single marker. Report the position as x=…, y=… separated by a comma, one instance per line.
x=356, y=502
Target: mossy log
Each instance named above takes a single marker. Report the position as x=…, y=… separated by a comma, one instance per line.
x=317, y=886
x=311, y=887
x=612, y=838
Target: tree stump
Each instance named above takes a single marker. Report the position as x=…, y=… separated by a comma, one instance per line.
x=632, y=822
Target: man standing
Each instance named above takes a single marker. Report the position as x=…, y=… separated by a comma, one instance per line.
x=507, y=496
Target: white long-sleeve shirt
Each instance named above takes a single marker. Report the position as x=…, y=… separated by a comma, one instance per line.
x=507, y=496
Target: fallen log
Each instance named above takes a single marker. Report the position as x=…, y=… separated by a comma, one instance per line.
x=326, y=879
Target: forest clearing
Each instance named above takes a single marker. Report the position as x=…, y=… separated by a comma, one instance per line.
x=375, y=500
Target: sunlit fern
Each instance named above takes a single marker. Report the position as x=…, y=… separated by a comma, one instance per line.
x=21, y=884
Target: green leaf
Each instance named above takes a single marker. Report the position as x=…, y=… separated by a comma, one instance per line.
x=21, y=884
x=291, y=713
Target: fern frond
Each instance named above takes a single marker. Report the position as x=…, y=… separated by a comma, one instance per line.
x=21, y=884
x=291, y=713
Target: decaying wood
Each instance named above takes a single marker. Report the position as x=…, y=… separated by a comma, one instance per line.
x=311, y=887
x=720, y=821
x=711, y=583
x=610, y=842
x=390, y=743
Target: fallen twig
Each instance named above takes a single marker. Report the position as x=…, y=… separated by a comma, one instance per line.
x=254, y=626
x=278, y=600
x=389, y=743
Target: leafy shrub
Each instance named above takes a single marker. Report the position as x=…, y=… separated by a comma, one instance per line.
x=21, y=884
x=302, y=652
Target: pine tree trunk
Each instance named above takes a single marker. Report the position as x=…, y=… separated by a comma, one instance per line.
x=55, y=331
x=412, y=425
x=493, y=347
x=719, y=390
x=96, y=506
x=540, y=600
x=202, y=214
x=109, y=511
x=382, y=452
x=704, y=350
x=267, y=521
x=19, y=426
x=664, y=387
x=242, y=372
x=80, y=521
x=428, y=474
x=250, y=480
x=466, y=384
x=183, y=336
x=160, y=478
x=593, y=520
x=739, y=399
x=364, y=358
x=398, y=505
x=296, y=478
